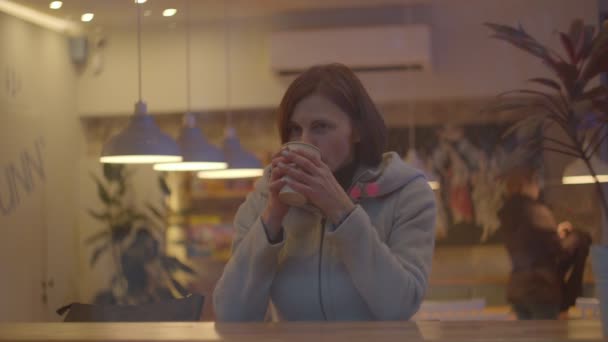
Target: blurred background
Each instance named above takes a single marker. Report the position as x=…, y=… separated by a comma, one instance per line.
x=72, y=229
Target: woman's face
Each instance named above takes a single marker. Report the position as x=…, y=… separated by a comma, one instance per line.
x=319, y=122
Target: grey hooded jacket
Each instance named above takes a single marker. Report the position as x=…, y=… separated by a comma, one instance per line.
x=373, y=266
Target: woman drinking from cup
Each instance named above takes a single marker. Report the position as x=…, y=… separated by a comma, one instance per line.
x=335, y=229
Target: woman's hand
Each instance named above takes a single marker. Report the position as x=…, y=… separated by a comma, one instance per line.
x=563, y=229
x=312, y=178
x=275, y=209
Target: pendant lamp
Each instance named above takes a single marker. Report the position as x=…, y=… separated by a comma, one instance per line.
x=197, y=153
x=241, y=163
x=141, y=142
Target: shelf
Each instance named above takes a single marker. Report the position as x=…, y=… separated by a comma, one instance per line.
x=231, y=196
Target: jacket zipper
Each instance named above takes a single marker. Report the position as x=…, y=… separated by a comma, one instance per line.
x=319, y=268
x=323, y=221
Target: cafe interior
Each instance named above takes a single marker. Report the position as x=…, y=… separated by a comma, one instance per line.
x=132, y=130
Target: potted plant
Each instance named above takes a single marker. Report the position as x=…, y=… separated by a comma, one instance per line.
x=574, y=104
x=143, y=272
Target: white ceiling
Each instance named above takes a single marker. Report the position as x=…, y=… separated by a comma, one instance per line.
x=111, y=13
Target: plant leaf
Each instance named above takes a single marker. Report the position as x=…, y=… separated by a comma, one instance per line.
x=103, y=193
x=576, y=37
x=581, y=107
x=101, y=217
x=112, y=172
x=599, y=46
x=508, y=30
x=519, y=38
x=155, y=211
x=121, y=231
x=546, y=82
x=529, y=107
x=131, y=215
x=600, y=40
x=122, y=187
x=98, y=252
x=602, y=107
x=97, y=236
x=597, y=64
x=576, y=29
x=179, y=287
x=173, y=264
x=568, y=74
x=554, y=108
x=163, y=186
x=596, y=92
x=158, y=228
x=526, y=127
x=530, y=47
x=185, y=268
x=568, y=46
x=587, y=44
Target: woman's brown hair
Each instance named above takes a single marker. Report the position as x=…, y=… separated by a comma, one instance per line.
x=338, y=84
x=518, y=177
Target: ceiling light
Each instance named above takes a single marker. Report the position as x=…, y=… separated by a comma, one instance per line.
x=577, y=172
x=87, y=17
x=42, y=19
x=140, y=1
x=56, y=5
x=141, y=142
x=169, y=12
x=241, y=163
x=198, y=154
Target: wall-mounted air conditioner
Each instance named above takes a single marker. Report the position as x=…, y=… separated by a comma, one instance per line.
x=394, y=47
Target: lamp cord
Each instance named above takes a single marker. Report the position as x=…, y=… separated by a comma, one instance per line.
x=227, y=64
x=139, y=48
x=188, y=96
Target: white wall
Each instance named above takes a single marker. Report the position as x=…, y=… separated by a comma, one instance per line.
x=467, y=63
x=38, y=119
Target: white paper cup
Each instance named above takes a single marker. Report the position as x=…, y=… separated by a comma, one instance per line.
x=288, y=195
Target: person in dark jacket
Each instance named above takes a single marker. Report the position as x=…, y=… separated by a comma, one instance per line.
x=548, y=259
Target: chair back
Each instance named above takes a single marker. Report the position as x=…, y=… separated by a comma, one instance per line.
x=186, y=309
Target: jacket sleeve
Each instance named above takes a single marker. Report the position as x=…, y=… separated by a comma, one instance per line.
x=544, y=231
x=243, y=291
x=391, y=276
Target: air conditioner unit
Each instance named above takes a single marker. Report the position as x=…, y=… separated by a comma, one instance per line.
x=394, y=47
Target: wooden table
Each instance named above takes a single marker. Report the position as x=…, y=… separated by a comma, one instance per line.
x=495, y=331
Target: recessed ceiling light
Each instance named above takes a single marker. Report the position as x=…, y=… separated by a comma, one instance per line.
x=87, y=17
x=56, y=5
x=140, y=1
x=169, y=12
